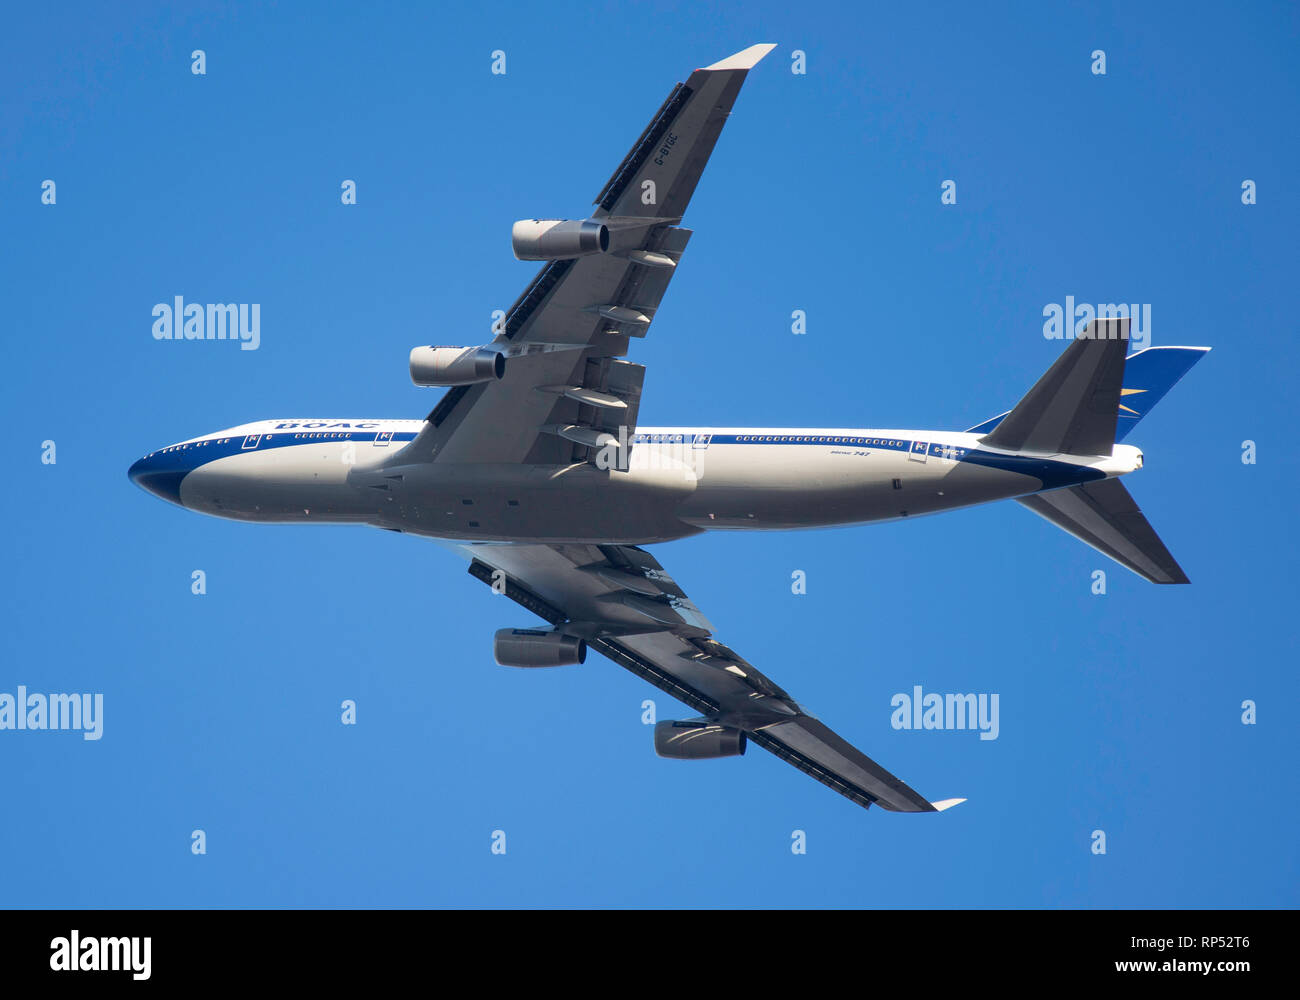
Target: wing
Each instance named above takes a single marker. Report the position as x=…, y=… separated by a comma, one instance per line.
x=564, y=387
x=620, y=600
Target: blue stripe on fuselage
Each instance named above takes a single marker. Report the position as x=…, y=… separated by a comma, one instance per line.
x=1052, y=474
x=162, y=472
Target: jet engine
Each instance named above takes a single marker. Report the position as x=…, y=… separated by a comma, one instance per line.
x=558, y=239
x=455, y=365
x=535, y=647
x=698, y=739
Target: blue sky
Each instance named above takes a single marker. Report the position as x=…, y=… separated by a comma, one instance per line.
x=1119, y=712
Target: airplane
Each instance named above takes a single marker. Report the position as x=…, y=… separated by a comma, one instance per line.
x=533, y=467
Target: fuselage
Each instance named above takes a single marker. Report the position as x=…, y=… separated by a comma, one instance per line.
x=670, y=482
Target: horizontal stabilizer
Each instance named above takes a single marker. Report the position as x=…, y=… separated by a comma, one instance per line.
x=1073, y=408
x=1105, y=516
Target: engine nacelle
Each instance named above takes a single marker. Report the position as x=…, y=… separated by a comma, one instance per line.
x=535, y=647
x=455, y=365
x=558, y=239
x=698, y=739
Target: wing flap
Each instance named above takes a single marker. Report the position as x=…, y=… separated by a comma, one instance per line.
x=659, y=174
x=816, y=750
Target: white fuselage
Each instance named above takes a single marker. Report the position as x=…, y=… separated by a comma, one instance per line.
x=676, y=481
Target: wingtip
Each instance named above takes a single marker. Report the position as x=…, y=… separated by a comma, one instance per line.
x=745, y=59
x=943, y=804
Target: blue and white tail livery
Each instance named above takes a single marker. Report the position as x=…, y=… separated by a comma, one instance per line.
x=1148, y=375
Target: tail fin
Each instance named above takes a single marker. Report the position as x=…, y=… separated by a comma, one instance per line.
x=1105, y=516
x=1090, y=399
x=1147, y=376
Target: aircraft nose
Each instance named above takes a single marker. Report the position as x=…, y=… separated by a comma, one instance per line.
x=159, y=476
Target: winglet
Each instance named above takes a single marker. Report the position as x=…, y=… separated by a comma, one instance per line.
x=946, y=804
x=746, y=59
